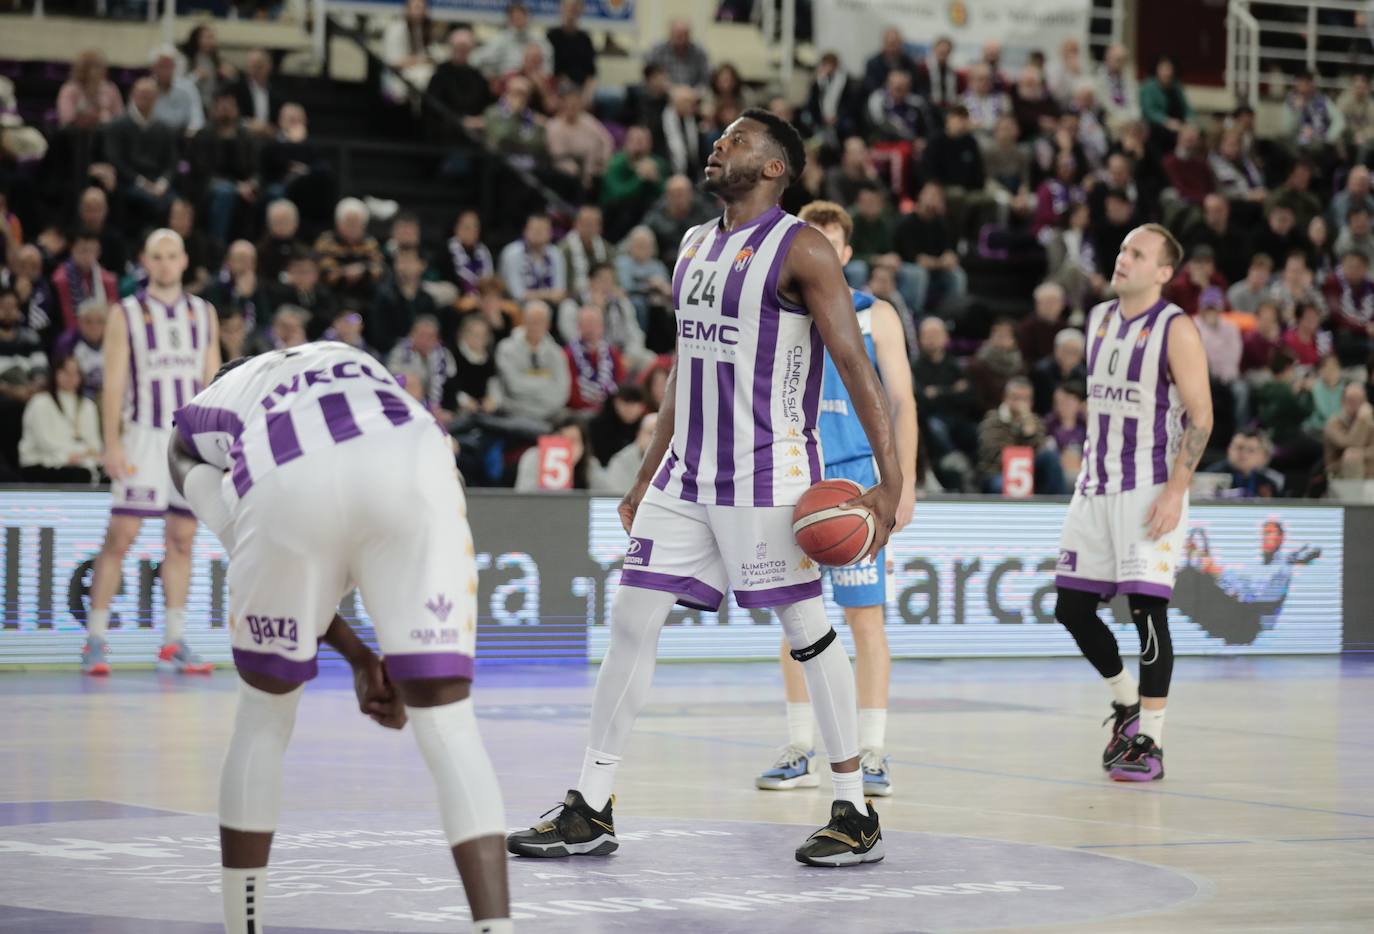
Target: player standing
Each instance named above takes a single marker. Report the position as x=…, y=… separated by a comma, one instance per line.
x=862, y=588
x=317, y=471
x=1149, y=417
x=759, y=296
x=161, y=348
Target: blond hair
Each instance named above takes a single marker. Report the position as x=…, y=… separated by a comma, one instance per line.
x=828, y=214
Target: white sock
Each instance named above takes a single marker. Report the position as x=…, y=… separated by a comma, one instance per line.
x=243, y=891
x=801, y=725
x=1124, y=689
x=493, y=926
x=872, y=727
x=1152, y=724
x=97, y=622
x=849, y=786
x=174, y=625
x=598, y=777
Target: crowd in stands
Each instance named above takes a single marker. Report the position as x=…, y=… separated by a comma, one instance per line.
x=567, y=330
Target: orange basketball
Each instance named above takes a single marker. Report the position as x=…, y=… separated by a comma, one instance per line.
x=830, y=534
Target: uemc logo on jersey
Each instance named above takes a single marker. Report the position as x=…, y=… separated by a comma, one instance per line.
x=1128, y=394
x=708, y=332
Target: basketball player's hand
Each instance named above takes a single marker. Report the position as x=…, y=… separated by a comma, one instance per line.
x=115, y=464
x=1164, y=513
x=377, y=698
x=882, y=501
x=630, y=504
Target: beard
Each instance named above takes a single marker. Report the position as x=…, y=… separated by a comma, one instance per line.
x=741, y=179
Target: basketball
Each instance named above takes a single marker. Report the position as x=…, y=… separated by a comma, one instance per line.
x=829, y=533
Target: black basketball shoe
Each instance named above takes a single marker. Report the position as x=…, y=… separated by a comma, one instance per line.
x=1125, y=721
x=849, y=839
x=576, y=830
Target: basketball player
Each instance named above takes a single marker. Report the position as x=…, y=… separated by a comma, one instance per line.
x=759, y=296
x=317, y=471
x=1149, y=417
x=161, y=348
x=862, y=588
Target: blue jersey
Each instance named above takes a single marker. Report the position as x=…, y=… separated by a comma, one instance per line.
x=842, y=436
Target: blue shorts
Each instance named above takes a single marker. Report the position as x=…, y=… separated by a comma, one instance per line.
x=865, y=583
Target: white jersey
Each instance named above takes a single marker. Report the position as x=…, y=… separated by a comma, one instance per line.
x=167, y=353
x=1135, y=417
x=288, y=403
x=749, y=367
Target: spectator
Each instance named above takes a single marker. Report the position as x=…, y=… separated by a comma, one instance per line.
x=234, y=339
x=646, y=101
x=532, y=267
x=854, y=172
x=1056, y=196
x=586, y=472
x=406, y=234
x=633, y=181
x=623, y=329
x=1117, y=89
x=1147, y=169
x=1247, y=294
x=834, y=102
x=1036, y=333
x=1349, y=437
x=1326, y=394
x=991, y=56
x=532, y=368
x=143, y=152
x=1350, y=299
x=1296, y=193
x=955, y=161
x=595, y=365
x=93, y=217
x=896, y=114
x=1092, y=136
x=727, y=100
x=474, y=387
x=351, y=262
x=1013, y=424
x=1107, y=235
x=23, y=367
x=1305, y=342
x=534, y=68
x=408, y=49
x=1259, y=345
x=88, y=99
x=1063, y=76
x=936, y=78
x=1190, y=174
x=1311, y=120
x=422, y=353
x=579, y=145
x=1279, y=239
x=623, y=467
x=643, y=277
x=1066, y=364
x=1246, y=461
x=1357, y=107
x=1007, y=164
x=882, y=285
x=683, y=60
x=1034, y=109
x=617, y=424
x=1285, y=402
x=259, y=101
x=457, y=85
x=1356, y=234
x=81, y=277
x=872, y=238
x=399, y=303
x=679, y=210
x=60, y=440
x=985, y=102
x=467, y=261
x=348, y=329
x=513, y=129
x=1319, y=253
x=1073, y=260
x=202, y=252
x=493, y=306
x=945, y=400
x=573, y=55
x=1163, y=103
x=224, y=162
x=930, y=272
x=1222, y=343
x=37, y=305
x=1066, y=427
x=239, y=286
x=1237, y=176
x=679, y=138
x=294, y=167
x=1356, y=193
x=303, y=291
x=1198, y=274
x=281, y=240
x=204, y=67
x=505, y=52
x=178, y=102
x=997, y=360
x=890, y=57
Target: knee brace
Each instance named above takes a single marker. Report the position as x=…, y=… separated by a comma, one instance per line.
x=250, y=781
x=815, y=648
x=1151, y=618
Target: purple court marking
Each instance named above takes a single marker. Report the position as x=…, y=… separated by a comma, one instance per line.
x=390, y=872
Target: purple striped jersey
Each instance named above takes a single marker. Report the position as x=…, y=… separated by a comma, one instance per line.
x=290, y=403
x=1135, y=417
x=749, y=367
x=167, y=348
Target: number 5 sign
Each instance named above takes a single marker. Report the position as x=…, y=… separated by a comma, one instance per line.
x=555, y=463
x=1018, y=472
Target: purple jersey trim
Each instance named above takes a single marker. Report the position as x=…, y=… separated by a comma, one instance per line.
x=661, y=481
x=769, y=316
x=735, y=275
x=685, y=260
x=1159, y=455
x=811, y=403
x=691, y=460
x=195, y=308
x=281, y=438
x=179, y=391
x=1145, y=589
x=1099, y=336
x=689, y=591
x=1105, y=589
x=718, y=238
x=1104, y=424
x=274, y=666
x=725, y=433
x=1130, y=428
x=394, y=408
x=134, y=511
x=191, y=420
x=778, y=596
x=338, y=417
x=243, y=480
x=155, y=388
x=133, y=367
x=179, y=511
x=410, y=666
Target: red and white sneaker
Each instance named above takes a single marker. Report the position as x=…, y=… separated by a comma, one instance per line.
x=95, y=658
x=177, y=657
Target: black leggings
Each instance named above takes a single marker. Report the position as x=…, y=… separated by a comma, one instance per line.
x=1076, y=611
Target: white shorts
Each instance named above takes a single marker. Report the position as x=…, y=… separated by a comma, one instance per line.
x=148, y=492
x=696, y=552
x=384, y=512
x=1106, y=547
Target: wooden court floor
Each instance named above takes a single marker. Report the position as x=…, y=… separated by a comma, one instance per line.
x=1002, y=819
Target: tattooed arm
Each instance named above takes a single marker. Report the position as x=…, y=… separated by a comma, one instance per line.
x=1188, y=366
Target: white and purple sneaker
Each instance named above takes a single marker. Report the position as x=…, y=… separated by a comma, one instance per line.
x=1143, y=762
x=1125, y=721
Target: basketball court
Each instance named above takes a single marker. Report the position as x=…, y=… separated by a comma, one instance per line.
x=1001, y=820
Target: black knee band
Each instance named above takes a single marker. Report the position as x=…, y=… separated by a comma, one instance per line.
x=815, y=648
x=1151, y=618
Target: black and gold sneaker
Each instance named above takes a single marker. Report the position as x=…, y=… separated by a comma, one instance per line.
x=849, y=839
x=576, y=830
